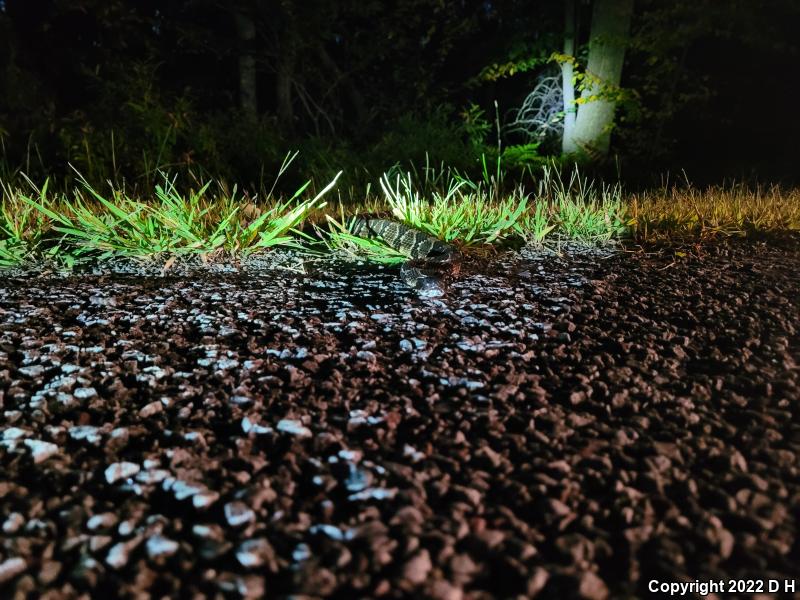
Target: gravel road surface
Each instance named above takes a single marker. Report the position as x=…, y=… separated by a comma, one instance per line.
x=568, y=427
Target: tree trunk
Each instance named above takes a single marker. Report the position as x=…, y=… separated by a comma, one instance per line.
x=568, y=86
x=610, y=29
x=353, y=95
x=285, y=65
x=246, y=31
x=283, y=91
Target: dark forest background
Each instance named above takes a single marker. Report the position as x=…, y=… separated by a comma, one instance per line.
x=123, y=88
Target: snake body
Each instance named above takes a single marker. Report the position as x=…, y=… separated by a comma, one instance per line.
x=431, y=261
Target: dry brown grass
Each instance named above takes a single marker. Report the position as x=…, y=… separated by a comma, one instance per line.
x=691, y=212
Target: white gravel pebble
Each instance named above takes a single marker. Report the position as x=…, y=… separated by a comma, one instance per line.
x=151, y=409
x=101, y=521
x=13, y=522
x=41, y=450
x=249, y=427
x=31, y=371
x=118, y=556
x=252, y=552
x=158, y=546
x=205, y=499
x=238, y=513
x=85, y=393
x=294, y=428
x=121, y=470
x=86, y=432
x=11, y=568
x=14, y=433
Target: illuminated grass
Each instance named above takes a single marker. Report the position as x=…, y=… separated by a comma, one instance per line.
x=22, y=227
x=537, y=224
x=37, y=224
x=474, y=213
x=89, y=223
x=461, y=212
x=690, y=213
x=582, y=210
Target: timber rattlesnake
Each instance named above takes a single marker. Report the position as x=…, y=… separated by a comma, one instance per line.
x=432, y=260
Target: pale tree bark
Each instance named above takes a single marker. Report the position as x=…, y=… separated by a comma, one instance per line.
x=568, y=86
x=246, y=31
x=609, y=36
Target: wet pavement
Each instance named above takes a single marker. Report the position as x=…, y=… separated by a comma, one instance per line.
x=567, y=427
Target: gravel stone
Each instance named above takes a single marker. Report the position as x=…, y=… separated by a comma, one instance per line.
x=121, y=470
x=41, y=450
x=159, y=546
x=103, y=521
x=12, y=567
x=238, y=513
x=294, y=428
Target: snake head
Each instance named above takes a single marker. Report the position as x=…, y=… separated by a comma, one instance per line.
x=441, y=253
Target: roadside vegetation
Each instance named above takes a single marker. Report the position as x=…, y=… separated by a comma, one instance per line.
x=217, y=222
x=688, y=212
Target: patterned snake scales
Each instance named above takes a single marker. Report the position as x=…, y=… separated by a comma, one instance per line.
x=431, y=258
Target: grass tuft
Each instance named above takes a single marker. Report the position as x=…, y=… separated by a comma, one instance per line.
x=461, y=211
x=582, y=210
x=22, y=228
x=104, y=225
x=537, y=224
